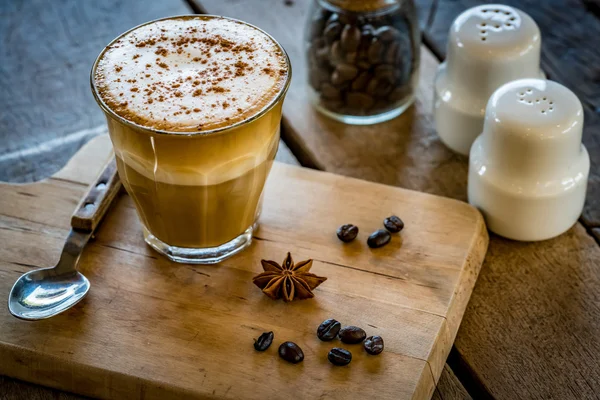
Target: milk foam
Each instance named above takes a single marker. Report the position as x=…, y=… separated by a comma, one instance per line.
x=191, y=73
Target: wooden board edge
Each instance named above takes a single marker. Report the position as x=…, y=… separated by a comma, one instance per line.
x=426, y=384
x=459, y=300
x=82, y=379
x=469, y=275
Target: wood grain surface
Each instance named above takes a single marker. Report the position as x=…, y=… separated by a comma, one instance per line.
x=423, y=163
x=47, y=49
x=153, y=328
x=569, y=56
x=533, y=316
x=12, y=389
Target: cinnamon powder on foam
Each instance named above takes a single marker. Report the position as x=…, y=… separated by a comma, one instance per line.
x=191, y=74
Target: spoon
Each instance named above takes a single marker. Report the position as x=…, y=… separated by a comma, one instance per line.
x=43, y=293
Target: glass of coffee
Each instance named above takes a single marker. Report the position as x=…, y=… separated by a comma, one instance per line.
x=193, y=105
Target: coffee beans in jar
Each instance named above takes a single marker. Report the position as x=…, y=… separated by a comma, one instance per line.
x=363, y=58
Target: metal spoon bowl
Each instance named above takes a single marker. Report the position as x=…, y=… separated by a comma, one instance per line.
x=43, y=293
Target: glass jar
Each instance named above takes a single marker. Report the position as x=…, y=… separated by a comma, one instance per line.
x=363, y=58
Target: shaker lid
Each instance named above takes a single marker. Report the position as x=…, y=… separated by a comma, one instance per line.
x=535, y=109
x=495, y=31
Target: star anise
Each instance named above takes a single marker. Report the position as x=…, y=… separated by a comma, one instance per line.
x=288, y=281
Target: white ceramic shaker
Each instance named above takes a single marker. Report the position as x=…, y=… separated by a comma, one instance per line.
x=528, y=170
x=488, y=46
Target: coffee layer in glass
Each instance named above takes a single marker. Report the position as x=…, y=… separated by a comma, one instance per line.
x=193, y=106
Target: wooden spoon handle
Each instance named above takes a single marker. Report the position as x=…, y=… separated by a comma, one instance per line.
x=98, y=198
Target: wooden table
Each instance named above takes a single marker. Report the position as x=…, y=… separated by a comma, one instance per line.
x=531, y=328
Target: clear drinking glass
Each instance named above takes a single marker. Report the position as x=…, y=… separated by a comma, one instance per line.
x=210, y=214
x=363, y=58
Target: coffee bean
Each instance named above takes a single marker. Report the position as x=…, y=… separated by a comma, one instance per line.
x=379, y=87
x=291, y=352
x=350, y=38
x=351, y=57
x=379, y=238
x=333, y=105
x=328, y=329
x=336, y=79
x=336, y=54
x=363, y=47
x=374, y=52
x=391, y=53
x=393, y=224
x=347, y=233
x=339, y=356
x=359, y=101
x=329, y=91
x=363, y=64
x=346, y=72
x=318, y=42
x=317, y=76
x=368, y=30
x=387, y=33
x=373, y=345
x=322, y=55
x=360, y=83
x=264, y=341
x=332, y=32
x=352, y=334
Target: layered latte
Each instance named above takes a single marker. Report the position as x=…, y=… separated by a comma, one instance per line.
x=194, y=106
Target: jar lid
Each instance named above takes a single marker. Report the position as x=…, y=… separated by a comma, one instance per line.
x=363, y=5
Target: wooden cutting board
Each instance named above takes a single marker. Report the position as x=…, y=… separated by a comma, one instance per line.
x=153, y=329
